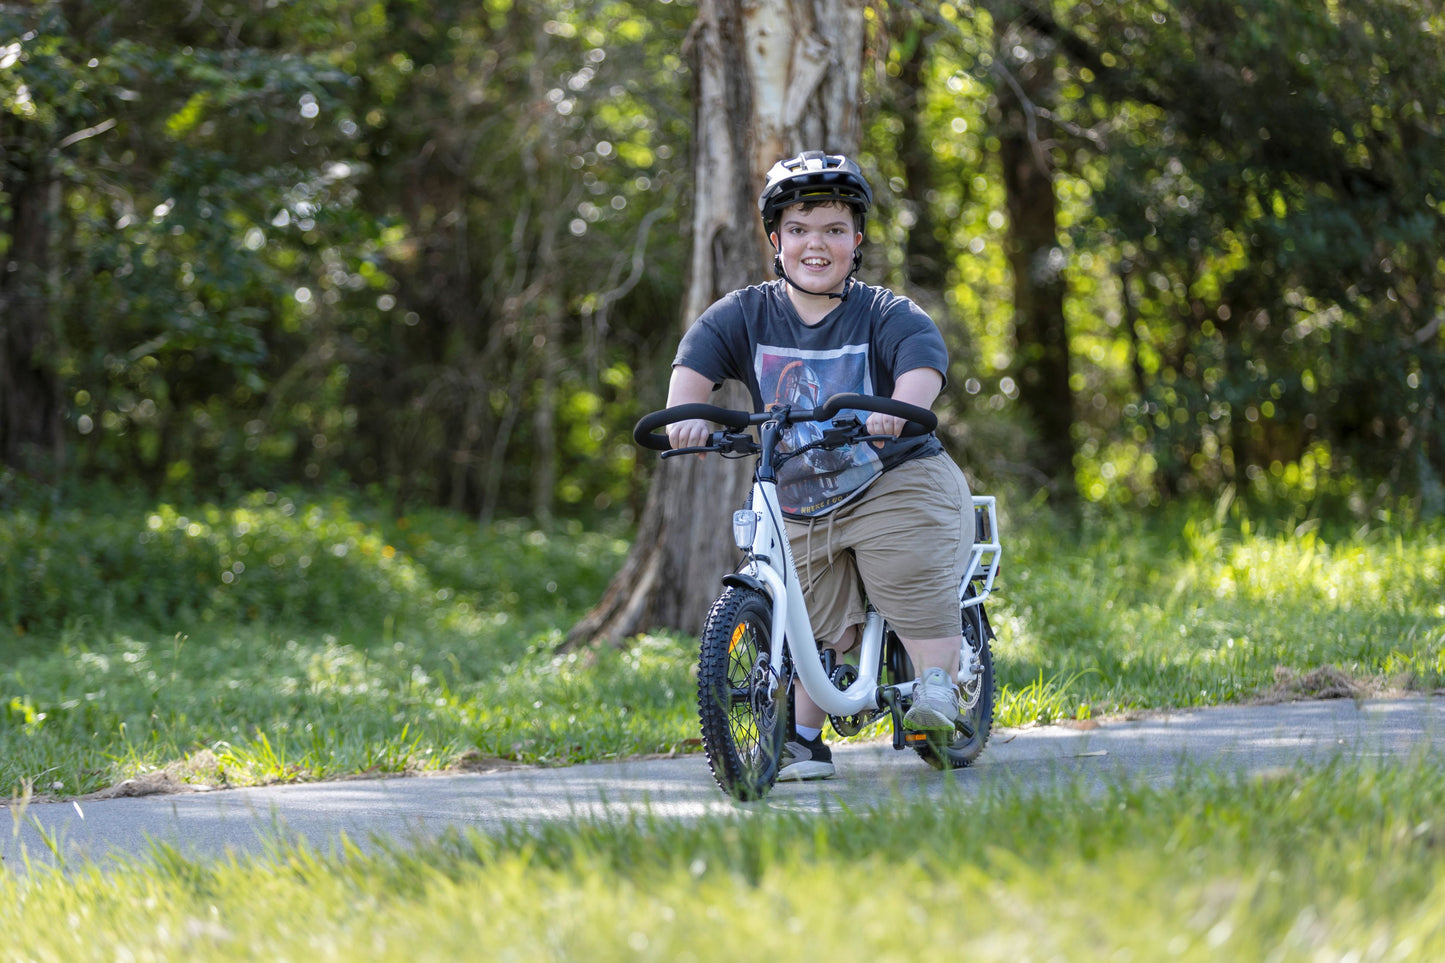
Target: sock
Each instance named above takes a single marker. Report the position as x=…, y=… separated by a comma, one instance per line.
x=808, y=734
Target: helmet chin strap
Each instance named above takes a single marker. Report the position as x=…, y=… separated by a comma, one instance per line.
x=836, y=295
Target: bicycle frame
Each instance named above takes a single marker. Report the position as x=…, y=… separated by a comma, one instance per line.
x=739, y=701
x=792, y=629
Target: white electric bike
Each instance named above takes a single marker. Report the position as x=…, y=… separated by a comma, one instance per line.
x=757, y=638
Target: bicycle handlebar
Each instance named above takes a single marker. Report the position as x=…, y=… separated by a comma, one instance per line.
x=920, y=420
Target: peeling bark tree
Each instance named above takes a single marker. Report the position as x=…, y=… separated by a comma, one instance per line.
x=772, y=78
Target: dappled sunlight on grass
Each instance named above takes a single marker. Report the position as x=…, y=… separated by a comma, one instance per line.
x=1040, y=702
x=275, y=559
x=1204, y=609
x=1306, y=861
x=435, y=640
x=591, y=704
x=272, y=640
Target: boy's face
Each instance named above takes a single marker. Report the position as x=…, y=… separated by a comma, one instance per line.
x=816, y=243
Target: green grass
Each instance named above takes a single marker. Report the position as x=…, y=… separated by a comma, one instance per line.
x=1214, y=607
x=279, y=639
x=290, y=639
x=344, y=642
x=1346, y=861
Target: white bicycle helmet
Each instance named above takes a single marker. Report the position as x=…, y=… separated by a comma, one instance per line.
x=811, y=177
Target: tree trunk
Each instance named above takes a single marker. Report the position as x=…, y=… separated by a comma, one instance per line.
x=1042, y=341
x=925, y=261
x=548, y=343
x=30, y=419
x=772, y=78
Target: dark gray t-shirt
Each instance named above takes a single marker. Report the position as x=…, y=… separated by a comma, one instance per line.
x=755, y=336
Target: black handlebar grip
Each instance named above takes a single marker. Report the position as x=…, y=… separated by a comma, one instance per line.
x=645, y=431
x=920, y=420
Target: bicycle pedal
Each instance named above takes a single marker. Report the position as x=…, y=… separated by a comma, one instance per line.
x=923, y=737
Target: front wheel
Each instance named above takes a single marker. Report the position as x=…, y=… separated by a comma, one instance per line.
x=975, y=719
x=741, y=702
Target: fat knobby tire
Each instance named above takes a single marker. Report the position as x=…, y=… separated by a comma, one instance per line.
x=743, y=709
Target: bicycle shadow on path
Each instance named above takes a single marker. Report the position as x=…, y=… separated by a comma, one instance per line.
x=1154, y=748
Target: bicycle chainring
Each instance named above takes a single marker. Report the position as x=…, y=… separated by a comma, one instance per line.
x=843, y=676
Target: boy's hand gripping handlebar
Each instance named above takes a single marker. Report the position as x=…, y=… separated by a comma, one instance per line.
x=920, y=420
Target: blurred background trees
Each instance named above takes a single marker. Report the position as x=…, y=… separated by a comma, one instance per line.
x=440, y=250
x=406, y=244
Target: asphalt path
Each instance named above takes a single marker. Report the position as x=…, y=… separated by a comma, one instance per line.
x=1155, y=747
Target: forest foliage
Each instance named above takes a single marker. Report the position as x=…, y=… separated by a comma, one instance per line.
x=438, y=250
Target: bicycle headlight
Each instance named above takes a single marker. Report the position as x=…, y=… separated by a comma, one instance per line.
x=745, y=527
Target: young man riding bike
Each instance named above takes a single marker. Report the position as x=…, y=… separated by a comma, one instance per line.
x=890, y=522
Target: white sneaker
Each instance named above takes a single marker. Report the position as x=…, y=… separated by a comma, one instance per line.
x=806, y=760
x=935, y=703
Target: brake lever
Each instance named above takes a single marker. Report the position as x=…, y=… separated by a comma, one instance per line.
x=723, y=442
x=735, y=443
x=838, y=434
x=845, y=432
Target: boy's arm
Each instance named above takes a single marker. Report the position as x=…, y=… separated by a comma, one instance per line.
x=917, y=387
x=688, y=387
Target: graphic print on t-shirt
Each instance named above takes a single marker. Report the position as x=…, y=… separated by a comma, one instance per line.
x=817, y=480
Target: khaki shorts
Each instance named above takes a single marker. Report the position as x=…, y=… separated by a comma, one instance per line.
x=904, y=543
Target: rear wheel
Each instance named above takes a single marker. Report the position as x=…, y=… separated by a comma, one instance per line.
x=742, y=703
x=975, y=719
